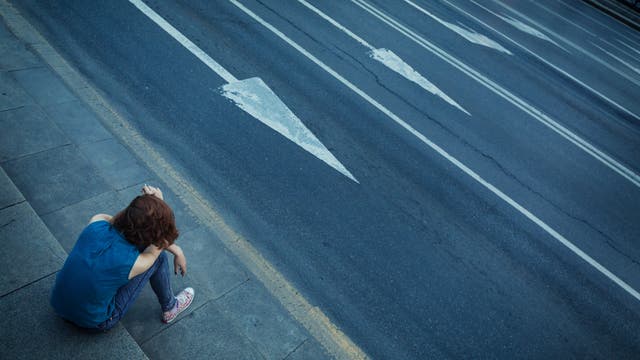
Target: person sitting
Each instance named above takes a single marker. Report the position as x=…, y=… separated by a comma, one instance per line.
x=114, y=258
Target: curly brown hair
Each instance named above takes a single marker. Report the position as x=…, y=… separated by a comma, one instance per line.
x=147, y=220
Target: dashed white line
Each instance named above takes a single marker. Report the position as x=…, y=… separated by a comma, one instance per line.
x=443, y=153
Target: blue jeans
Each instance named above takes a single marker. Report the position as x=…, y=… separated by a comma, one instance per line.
x=158, y=276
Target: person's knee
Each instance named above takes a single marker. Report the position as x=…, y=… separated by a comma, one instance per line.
x=162, y=258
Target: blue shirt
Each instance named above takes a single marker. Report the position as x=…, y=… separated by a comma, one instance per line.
x=99, y=264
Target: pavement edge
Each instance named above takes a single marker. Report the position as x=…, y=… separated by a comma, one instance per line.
x=312, y=318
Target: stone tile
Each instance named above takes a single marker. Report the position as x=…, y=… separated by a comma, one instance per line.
x=118, y=167
x=29, y=251
x=31, y=330
x=78, y=123
x=12, y=95
x=43, y=85
x=263, y=320
x=210, y=264
x=67, y=223
x=14, y=55
x=9, y=193
x=205, y=334
x=143, y=318
x=27, y=130
x=184, y=219
x=55, y=178
x=309, y=350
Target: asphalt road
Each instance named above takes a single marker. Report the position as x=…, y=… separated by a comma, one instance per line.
x=418, y=259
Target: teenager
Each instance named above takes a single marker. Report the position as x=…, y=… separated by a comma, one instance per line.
x=114, y=258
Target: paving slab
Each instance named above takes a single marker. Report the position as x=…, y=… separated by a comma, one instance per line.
x=116, y=164
x=205, y=334
x=9, y=193
x=210, y=264
x=143, y=320
x=31, y=330
x=12, y=95
x=27, y=130
x=310, y=349
x=79, y=124
x=262, y=320
x=13, y=53
x=29, y=251
x=53, y=179
x=67, y=223
x=43, y=85
x=15, y=56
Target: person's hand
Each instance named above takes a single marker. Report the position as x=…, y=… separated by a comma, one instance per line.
x=180, y=264
x=152, y=190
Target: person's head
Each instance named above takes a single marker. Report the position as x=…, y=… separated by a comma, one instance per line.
x=147, y=220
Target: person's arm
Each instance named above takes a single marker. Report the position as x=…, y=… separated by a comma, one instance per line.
x=145, y=260
x=100, y=217
x=179, y=260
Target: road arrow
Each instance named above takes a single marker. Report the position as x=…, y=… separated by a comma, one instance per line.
x=254, y=96
x=389, y=59
x=395, y=63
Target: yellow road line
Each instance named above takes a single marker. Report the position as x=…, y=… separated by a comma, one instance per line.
x=311, y=317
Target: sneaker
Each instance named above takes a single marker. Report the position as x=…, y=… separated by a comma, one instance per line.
x=184, y=299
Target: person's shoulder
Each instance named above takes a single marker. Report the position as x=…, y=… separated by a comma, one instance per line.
x=100, y=217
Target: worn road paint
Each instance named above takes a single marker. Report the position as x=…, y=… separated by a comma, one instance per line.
x=469, y=35
x=622, y=61
x=389, y=59
x=548, y=63
x=536, y=114
x=635, y=50
x=256, y=98
x=570, y=43
x=548, y=229
x=395, y=63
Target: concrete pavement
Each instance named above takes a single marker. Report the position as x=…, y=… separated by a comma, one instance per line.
x=58, y=166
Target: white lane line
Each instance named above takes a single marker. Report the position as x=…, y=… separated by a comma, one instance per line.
x=184, y=41
x=548, y=63
x=617, y=58
x=390, y=60
x=569, y=43
x=520, y=26
x=444, y=154
x=505, y=94
x=581, y=9
x=254, y=97
x=469, y=35
x=537, y=3
x=629, y=47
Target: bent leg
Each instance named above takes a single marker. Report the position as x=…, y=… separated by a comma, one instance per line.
x=128, y=293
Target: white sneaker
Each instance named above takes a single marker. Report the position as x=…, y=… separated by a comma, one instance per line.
x=184, y=299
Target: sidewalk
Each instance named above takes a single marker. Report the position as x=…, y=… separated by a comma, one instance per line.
x=59, y=166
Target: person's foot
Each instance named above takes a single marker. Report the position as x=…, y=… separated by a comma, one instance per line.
x=184, y=299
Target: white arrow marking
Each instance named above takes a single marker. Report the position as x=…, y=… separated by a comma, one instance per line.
x=471, y=36
x=389, y=59
x=393, y=61
x=254, y=96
